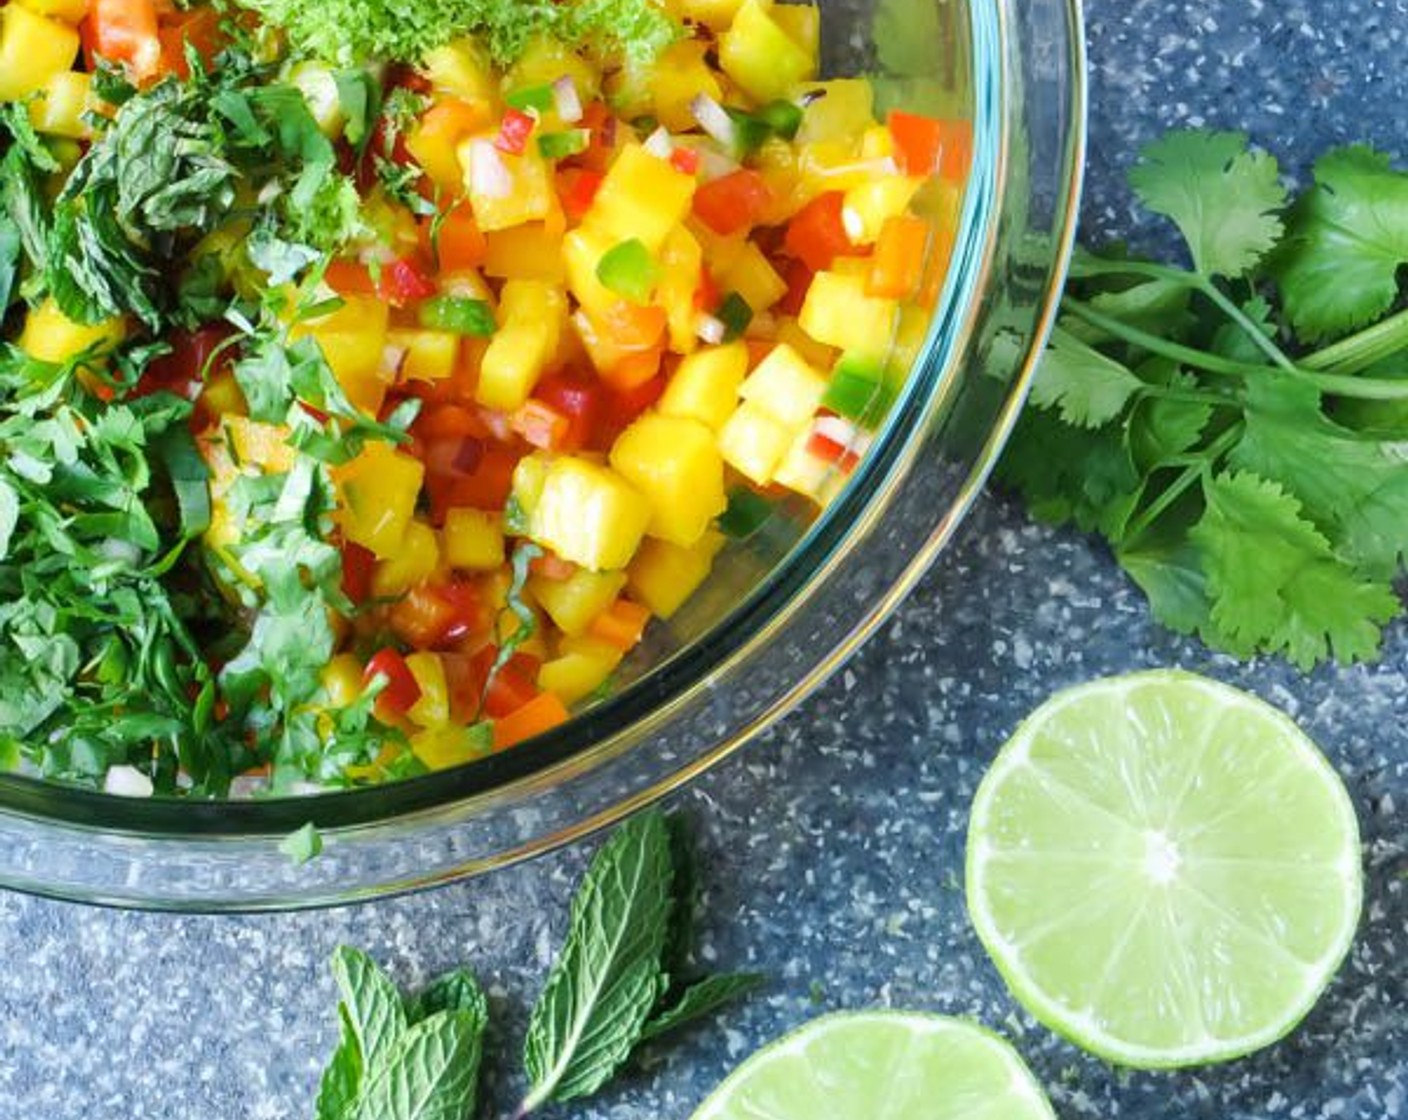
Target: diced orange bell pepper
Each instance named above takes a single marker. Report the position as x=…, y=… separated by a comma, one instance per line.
x=544, y=712
x=622, y=624
x=897, y=267
x=732, y=203
x=126, y=32
x=927, y=146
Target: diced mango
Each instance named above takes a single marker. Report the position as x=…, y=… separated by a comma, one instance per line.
x=675, y=462
x=573, y=602
x=758, y=53
x=526, y=194
x=353, y=340
x=785, y=386
x=51, y=336
x=264, y=446
x=753, y=441
x=582, y=250
x=341, y=679
x=33, y=49
x=664, y=575
x=642, y=197
x=426, y=355
x=527, y=252
x=58, y=109
x=679, y=76
x=845, y=109
x=817, y=354
x=547, y=58
x=588, y=514
x=451, y=744
x=473, y=539
x=713, y=14
x=579, y=669
x=752, y=277
x=461, y=68
x=66, y=11
x=378, y=491
x=681, y=269
x=705, y=386
x=413, y=562
x=837, y=312
x=802, y=22
x=531, y=317
x=867, y=206
x=433, y=707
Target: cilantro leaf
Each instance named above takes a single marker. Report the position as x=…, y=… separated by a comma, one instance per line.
x=1222, y=195
x=1276, y=583
x=1171, y=574
x=1348, y=237
x=1087, y=387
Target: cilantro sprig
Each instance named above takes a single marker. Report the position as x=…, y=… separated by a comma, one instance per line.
x=1235, y=429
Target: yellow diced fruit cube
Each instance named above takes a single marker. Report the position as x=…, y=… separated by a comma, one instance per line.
x=261, y=445
x=33, y=49
x=579, y=669
x=413, y=562
x=51, y=336
x=582, y=250
x=573, y=603
x=681, y=268
x=450, y=744
x=57, y=110
x=802, y=471
x=713, y=14
x=531, y=317
x=433, y=707
x=761, y=57
x=461, y=68
x=353, y=340
x=877, y=143
x=378, y=491
x=680, y=75
x=753, y=278
x=547, y=58
x=838, y=312
x=221, y=395
x=785, y=386
x=588, y=514
x=473, y=539
x=341, y=679
x=867, y=206
x=802, y=22
x=705, y=386
x=426, y=355
x=675, y=462
x=664, y=575
x=753, y=441
x=845, y=109
x=529, y=477
x=527, y=252
x=67, y=11
x=817, y=354
x=525, y=195
x=643, y=197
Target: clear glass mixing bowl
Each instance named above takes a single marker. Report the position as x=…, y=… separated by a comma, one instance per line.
x=780, y=613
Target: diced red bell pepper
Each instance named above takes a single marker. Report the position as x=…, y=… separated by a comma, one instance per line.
x=707, y=295
x=198, y=27
x=180, y=371
x=598, y=119
x=540, y=424
x=685, y=161
x=357, y=566
x=487, y=486
x=512, y=686
x=449, y=422
x=514, y=132
x=830, y=451
x=799, y=279
x=575, y=398
x=733, y=202
x=403, y=281
x=401, y=691
x=420, y=618
x=576, y=190
x=816, y=235
x=926, y=146
x=124, y=32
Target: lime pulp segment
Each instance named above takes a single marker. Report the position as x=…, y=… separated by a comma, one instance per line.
x=881, y=1065
x=1164, y=869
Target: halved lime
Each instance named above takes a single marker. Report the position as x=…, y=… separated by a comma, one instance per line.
x=1164, y=869
x=881, y=1065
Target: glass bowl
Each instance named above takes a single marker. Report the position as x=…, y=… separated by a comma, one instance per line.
x=781, y=612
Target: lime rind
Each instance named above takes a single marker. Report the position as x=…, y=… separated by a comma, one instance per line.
x=926, y=1039
x=1083, y=1027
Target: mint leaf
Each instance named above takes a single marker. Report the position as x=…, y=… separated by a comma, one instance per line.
x=342, y=1076
x=302, y=845
x=608, y=978
x=372, y=1005
x=1086, y=387
x=456, y=990
x=700, y=999
x=431, y=1072
x=1222, y=195
x=1276, y=584
x=1348, y=237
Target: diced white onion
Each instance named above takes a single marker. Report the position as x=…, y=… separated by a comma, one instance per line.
x=127, y=781
x=569, y=103
x=714, y=164
x=659, y=143
x=710, y=330
x=488, y=175
x=713, y=119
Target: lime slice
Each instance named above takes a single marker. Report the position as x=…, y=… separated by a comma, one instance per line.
x=1164, y=869
x=881, y=1065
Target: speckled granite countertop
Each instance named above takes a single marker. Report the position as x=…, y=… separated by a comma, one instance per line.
x=834, y=844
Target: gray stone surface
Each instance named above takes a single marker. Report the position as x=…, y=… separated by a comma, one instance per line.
x=833, y=846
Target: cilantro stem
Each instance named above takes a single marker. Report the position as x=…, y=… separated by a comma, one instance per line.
x=1360, y=351
x=1176, y=489
x=1340, y=385
x=1189, y=396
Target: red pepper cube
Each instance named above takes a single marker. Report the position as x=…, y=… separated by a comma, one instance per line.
x=401, y=691
x=514, y=132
